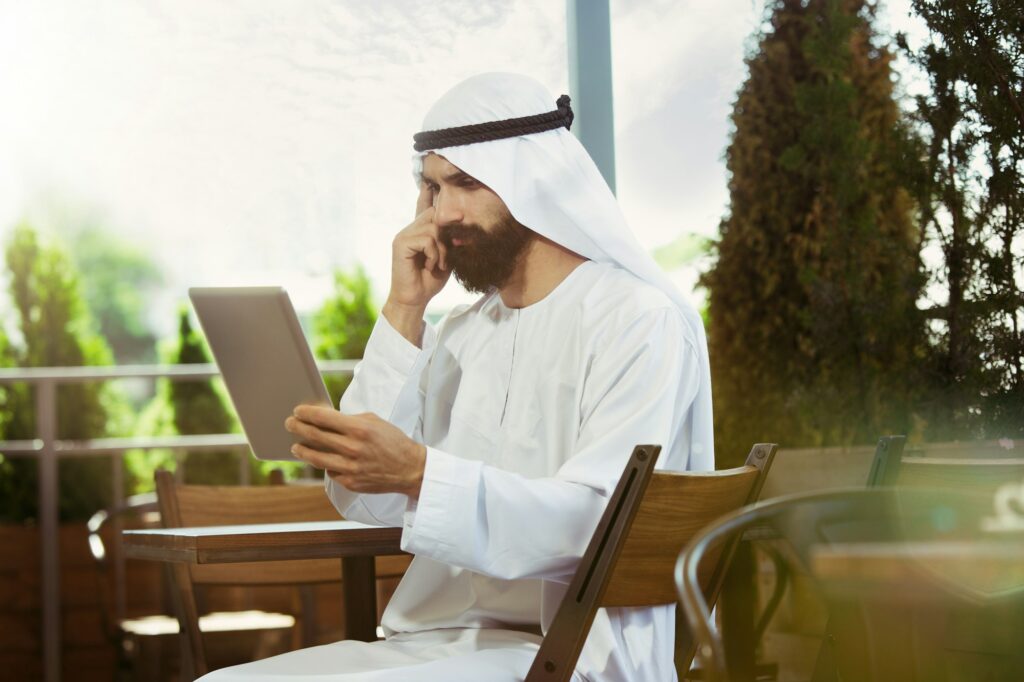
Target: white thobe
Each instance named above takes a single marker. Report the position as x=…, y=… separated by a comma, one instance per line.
x=529, y=416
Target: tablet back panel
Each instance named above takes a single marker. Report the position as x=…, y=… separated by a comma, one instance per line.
x=263, y=356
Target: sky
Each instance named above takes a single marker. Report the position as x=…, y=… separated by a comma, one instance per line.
x=260, y=142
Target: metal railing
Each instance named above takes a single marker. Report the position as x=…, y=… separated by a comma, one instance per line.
x=48, y=450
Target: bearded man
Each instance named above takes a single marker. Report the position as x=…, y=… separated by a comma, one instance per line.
x=495, y=440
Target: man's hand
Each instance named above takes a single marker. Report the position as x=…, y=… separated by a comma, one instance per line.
x=362, y=452
x=418, y=270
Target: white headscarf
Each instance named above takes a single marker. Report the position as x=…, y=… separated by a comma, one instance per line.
x=550, y=184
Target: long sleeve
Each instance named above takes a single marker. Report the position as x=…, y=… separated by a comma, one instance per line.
x=386, y=383
x=505, y=525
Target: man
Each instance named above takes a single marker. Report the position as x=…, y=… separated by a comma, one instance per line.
x=495, y=440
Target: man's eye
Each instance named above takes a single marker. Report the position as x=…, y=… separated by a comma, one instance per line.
x=469, y=183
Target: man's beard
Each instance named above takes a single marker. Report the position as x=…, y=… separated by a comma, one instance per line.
x=485, y=259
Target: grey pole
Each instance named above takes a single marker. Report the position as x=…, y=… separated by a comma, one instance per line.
x=590, y=81
x=49, y=529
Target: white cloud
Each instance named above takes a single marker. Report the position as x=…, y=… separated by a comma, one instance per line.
x=676, y=69
x=269, y=142
x=246, y=142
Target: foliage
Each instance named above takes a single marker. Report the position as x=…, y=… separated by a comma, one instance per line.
x=156, y=418
x=56, y=330
x=117, y=279
x=683, y=250
x=343, y=324
x=7, y=359
x=971, y=192
x=12, y=486
x=198, y=408
x=813, y=328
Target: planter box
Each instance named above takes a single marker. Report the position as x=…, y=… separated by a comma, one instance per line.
x=87, y=605
x=86, y=652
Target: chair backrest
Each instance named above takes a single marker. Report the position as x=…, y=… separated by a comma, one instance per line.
x=803, y=470
x=969, y=449
x=630, y=558
x=215, y=505
x=982, y=475
x=885, y=466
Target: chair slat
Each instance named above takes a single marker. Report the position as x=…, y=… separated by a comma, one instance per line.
x=214, y=505
x=674, y=508
x=981, y=475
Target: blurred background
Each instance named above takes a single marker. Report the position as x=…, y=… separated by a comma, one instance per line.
x=836, y=184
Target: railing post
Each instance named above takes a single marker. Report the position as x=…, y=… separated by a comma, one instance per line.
x=117, y=495
x=243, y=468
x=49, y=528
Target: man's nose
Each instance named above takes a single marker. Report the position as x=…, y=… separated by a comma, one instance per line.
x=447, y=209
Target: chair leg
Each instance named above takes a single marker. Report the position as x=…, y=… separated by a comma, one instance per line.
x=736, y=609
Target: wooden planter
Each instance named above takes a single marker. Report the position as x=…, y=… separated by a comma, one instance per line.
x=87, y=653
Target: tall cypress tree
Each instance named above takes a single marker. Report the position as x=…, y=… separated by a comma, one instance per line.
x=56, y=331
x=813, y=325
x=343, y=324
x=199, y=409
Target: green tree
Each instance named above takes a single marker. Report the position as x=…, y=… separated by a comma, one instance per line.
x=971, y=193
x=155, y=418
x=56, y=330
x=199, y=408
x=16, y=503
x=813, y=327
x=343, y=324
x=117, y=280
x=7, y=359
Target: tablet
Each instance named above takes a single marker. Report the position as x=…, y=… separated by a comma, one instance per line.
x=263, y=356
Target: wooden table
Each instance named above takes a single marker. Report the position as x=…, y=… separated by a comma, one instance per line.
x=908, y=570
x=915, y=611
x=354, y=543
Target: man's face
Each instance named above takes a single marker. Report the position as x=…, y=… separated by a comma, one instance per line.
x=483, y=240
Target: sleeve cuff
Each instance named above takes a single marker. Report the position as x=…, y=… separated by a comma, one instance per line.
x=390, y=348
x=339, y=496
x=445, y=516
x=390, y=369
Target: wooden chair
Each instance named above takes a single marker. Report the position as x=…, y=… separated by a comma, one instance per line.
x=796, y=471
x=201, y=505
x=629, y=561
x=140, y=633
x=816, y=521
x=884, y=472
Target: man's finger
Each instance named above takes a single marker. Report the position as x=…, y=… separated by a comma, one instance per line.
x=430, y=251
x=326, y=418
x=424, y=200
x=324, y=439
x=322, y=460
x=425, y=249
x=442, y=255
